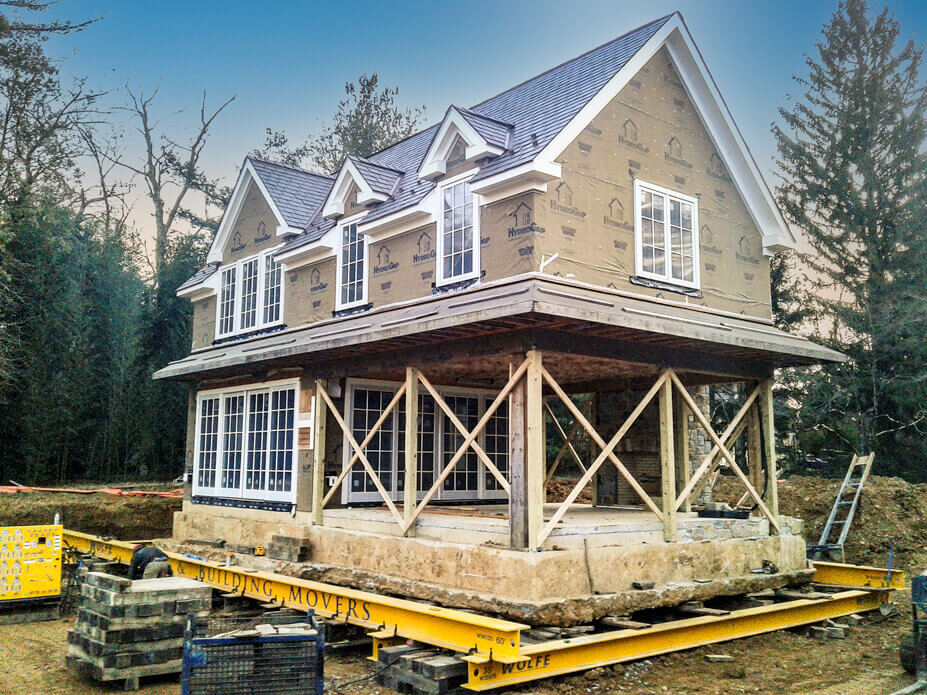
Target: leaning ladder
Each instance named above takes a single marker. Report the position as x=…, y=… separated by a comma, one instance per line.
x=847, y=501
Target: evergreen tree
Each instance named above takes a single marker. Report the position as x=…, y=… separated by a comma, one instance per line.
x=367, y=121
x=852, y=156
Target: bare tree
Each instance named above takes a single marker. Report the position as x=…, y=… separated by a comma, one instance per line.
x=170, y=169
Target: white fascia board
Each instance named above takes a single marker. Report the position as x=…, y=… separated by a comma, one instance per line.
x=714, y=113
x=454, y=124
x=230, y=217
x=403, y=221
x=729, y=141
x=311, y=253
x=530, y=177
x=334, y=204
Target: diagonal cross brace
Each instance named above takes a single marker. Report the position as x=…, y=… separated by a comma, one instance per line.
x=363, y=457
x=606, y=453
x=703, y=421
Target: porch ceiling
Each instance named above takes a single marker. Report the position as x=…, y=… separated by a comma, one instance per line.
x=606, y=332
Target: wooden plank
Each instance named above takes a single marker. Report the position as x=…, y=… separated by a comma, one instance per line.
x=535, y=448
x=624, y=623
x=318, y=454
x=667, y=462
x=681, y=441
x=518, y=520
x=410, y=491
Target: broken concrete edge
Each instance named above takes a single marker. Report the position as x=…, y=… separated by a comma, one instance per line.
x=563, y=612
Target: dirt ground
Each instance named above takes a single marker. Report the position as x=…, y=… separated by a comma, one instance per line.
x=893, y=516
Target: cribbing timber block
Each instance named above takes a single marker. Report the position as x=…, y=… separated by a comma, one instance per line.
x=441, y=667
x=624, y=623
x=698, y=609
x=289, y=548
x=152, y=612
x=577, y=630
x=143, y=654
x=77, y=661
x=422, y=672
x=137, y=653
x=152, y=633
x=388, y=655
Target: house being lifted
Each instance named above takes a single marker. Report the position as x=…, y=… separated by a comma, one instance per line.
x=376, y=353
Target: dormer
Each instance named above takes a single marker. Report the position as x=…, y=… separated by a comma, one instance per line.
x=464, y=136
x=362, y=182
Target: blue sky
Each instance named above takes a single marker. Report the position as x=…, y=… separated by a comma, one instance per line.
x=288, y=61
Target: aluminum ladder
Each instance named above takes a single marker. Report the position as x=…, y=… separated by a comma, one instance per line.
x=841, y=516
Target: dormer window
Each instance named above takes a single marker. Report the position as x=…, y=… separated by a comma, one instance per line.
x=458, y=241
x=352, y=288
x=666, y=235
x=249, y=295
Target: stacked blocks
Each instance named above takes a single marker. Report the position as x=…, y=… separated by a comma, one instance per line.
x=128, y=629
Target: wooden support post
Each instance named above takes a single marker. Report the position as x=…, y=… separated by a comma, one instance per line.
x=681, y=440
x=518, y=521
x=319, y=411
x=594, y=417
x=767, y=424
x=535, y=448
x=755, y=447
x=668, y=462
x=410, y=489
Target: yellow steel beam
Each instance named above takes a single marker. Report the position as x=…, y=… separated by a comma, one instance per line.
x=441, y=627
x=858, y=575
x=590, y=651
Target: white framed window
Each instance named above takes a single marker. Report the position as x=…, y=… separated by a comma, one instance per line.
x=352, y=268
x=226, y=313
x=438, y=441
x=273, y=275
x=458, y=237
x=666, y=235
x=250, y=295
x=245, y=445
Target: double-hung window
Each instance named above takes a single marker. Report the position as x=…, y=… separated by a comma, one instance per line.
x=352, y=286
x=666, y=235
x=245, y=445
x=250, y=295
x=458, y=241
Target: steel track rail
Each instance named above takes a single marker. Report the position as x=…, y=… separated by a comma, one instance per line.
x=495, y=654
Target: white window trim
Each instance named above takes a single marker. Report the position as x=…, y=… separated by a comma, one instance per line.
x=440, y=280
x=486, y=397
x=695, y=284
x=236, y=312
x=241, y=492
x=339, y=305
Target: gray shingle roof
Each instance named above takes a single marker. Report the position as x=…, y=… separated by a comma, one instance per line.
x=380, y=178
x=492, y=131
x=297, y=193
x=199, y=276
x=538, y=109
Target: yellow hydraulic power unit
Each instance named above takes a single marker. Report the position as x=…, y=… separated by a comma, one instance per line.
x=30, y=562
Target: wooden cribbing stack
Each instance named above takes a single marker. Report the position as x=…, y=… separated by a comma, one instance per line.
x=129, y=629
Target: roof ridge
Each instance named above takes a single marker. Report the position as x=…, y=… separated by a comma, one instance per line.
x=284, y=165
x=581, y=55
